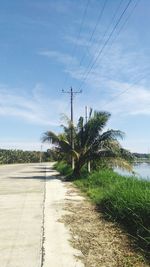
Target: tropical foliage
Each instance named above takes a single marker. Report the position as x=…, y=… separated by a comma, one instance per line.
x=120, y=198
x=91, y=143
x=20, y=156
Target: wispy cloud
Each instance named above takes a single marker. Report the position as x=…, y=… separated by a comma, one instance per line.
x=59, y=57
x=132, y=97
x=35, y=108
x=82, y=41
x=57, y=6
x=118, y=63
x=117, y=74
x=129, y=99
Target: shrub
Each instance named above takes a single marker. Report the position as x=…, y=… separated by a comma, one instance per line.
x=63, y=168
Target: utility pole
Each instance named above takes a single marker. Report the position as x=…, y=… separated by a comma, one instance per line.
x=87, y=116
x=41, y=155
x=72, y=93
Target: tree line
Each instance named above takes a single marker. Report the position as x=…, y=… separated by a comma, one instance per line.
x=10, y=156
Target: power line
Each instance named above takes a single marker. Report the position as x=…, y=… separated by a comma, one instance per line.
x=121, y=28
x=105, y=43
x=83, y=19
x=126, y=90
x=94, y=30
x=78, y=35
x=125, y=22
x=123, y=25
x=81, y=26
x=107, y=29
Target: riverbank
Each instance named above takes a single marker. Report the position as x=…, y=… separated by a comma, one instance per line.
x=125, y=200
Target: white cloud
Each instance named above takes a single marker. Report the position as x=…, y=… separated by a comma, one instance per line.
x=128, y=99
x=118, y=63
x=51, y=6
x=118, y=75
x=59, y=57
x=77, y=42
x=35, y=108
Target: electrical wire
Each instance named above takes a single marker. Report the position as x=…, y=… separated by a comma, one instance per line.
x=78, y=36
x=94, y=30
x=81, y=26
x=105, y=43
x=107, y=29
x=125, y=22
x=121, y=28
x=126, y=90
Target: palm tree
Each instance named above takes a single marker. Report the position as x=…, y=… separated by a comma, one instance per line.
x=90, y=142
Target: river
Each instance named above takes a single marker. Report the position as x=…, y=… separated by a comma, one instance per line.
x=141, y=170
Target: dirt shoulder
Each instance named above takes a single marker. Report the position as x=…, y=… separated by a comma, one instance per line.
x=102, y=243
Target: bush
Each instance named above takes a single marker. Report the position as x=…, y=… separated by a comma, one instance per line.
x=63, y=168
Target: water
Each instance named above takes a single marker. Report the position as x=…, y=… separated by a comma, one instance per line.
x=141, y=170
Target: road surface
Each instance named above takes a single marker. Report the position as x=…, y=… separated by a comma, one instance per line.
x=31, y=204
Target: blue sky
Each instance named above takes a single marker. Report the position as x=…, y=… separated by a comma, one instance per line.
x=46, y=46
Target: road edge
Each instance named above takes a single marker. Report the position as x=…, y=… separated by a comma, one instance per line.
x=42, y=250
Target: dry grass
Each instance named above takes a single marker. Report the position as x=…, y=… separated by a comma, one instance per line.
x=102, y=243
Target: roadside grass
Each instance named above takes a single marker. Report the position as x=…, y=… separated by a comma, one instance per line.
x=125, y=200
x=63, y=168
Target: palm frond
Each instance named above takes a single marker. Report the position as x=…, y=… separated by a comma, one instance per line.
x=64, y=118
x=75, y=154
x=112, y=135
x=65, y=146
x=127, y=155
x=93, y=127
x=50, y=137
x=121, y=164
x=80, y=124
x=90, y=141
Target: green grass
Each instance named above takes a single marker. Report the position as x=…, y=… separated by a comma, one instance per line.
x=63, y=168
x=123, y=199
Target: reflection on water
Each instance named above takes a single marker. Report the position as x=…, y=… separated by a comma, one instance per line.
x=141, y=170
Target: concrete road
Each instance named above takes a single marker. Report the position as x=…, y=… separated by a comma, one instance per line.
x=31, y=203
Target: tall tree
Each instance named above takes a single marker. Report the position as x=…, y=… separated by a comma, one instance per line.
x=90, y=142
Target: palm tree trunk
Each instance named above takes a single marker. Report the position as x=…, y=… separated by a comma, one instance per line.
x=89, y=166
x=77, y=170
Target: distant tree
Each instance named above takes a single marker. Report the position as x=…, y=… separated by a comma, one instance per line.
x=9, y=156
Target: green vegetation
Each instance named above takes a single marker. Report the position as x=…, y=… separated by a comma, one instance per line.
x=140, y=157
x=63, y=168
x=91, y=143
x=123, y=199
x=19, y=156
